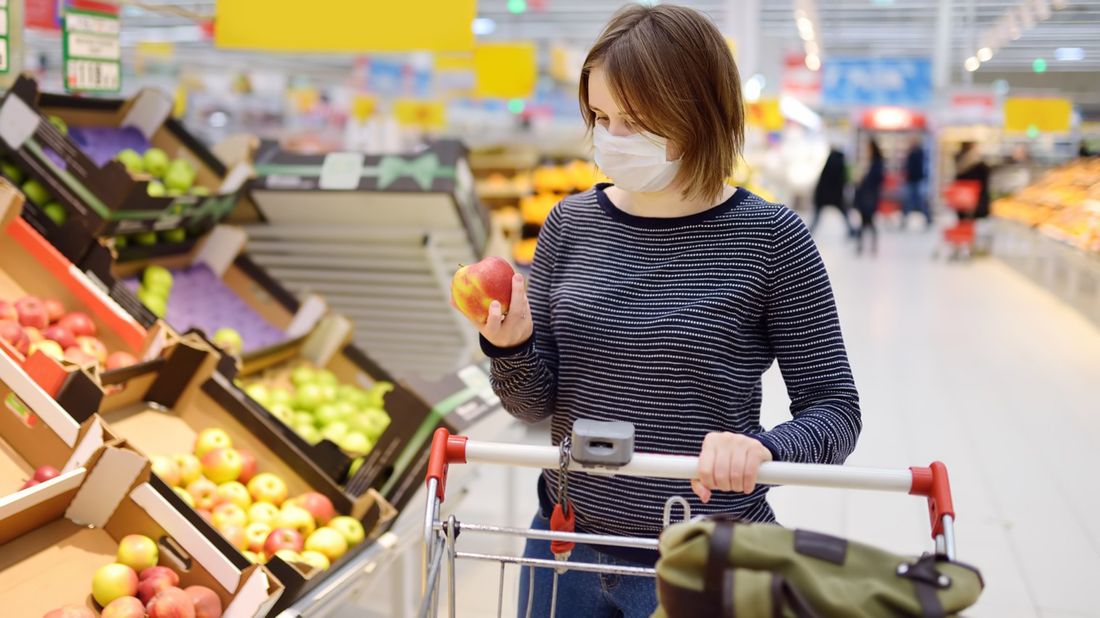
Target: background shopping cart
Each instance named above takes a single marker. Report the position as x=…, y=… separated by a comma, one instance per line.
x=440, y=536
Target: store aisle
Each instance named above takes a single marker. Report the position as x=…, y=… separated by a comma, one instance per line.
x=967, y=363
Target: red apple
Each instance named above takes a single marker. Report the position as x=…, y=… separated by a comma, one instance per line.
x=318, y=505
x=45, y=473
x=8, y=312
x=206, y=601
x=160, y=571
x=222, y=465
x=124, y=607
x=113, y=581
x=13, y=333
x=283, y=538
x=475, y=286
x=93, y=347
x=63, y=336
x=257, y=533
x=205, y=514
x=29, y=483
x=235, y=535
x=190, y=468
x=210, y=439
x=78, y=356
x=167, y=469
x=118, y=360
x=150, y=586
x=171, y=603
x=205, y=493
x=47, y=347
x=138, y=552
x=70, y=611
x=54, y=309
x=32, y=312
x=78, y=323
x=248, y=465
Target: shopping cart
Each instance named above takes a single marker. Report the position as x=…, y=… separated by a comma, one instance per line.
x=612, y=455
x=962, y=196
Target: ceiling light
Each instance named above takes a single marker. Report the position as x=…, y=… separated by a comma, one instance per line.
x=1069, y=54
x=972, y=64
x=805, y=28
x=754, y=86
x=985, y=54
x=813, y=62
x=812, y=48
x=483, y=26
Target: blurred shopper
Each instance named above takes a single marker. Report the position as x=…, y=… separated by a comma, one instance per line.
x=830, y=190
x=661, y=300
x=915, y=176
x=868, y=194
x=969, y=165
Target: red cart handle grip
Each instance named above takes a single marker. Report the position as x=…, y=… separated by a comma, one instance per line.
x=446, y=449
x=932, y=483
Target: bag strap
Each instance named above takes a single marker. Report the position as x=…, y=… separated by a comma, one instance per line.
x=785, y=596
x=716, y=584
x=926, y=580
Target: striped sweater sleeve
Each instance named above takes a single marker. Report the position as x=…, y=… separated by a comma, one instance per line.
x=525, y=377
x=804, y=332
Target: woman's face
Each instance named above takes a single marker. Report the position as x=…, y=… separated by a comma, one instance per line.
x=608, y=114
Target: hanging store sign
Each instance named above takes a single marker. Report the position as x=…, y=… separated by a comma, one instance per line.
x=1046, y=115
x=92, y=52
x=876, y=81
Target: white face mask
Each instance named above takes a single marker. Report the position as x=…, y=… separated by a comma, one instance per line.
x=637, y=163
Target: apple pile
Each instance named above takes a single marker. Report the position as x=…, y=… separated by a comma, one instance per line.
x=39, y=195
x=31, y=324
x=316, y=406
x=135, y=587
x=156, y=286
x=251, y=509
x=41, y=475
x=172, y=178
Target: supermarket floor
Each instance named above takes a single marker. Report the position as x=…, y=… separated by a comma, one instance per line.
x=967, y=363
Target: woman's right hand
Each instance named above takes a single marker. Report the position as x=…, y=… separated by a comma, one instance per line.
x=513, y=329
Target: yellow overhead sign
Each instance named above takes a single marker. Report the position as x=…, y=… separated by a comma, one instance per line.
x=418, y=113
x=345, y=25
x=1048, y=115
x=505, y=70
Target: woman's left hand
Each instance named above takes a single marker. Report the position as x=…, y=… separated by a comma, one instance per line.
x=728, y=462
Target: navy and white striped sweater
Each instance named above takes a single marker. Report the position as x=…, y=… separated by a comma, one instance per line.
x=669, y=324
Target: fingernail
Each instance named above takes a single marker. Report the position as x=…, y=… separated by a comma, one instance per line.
x=518, y=278
x=495, y=305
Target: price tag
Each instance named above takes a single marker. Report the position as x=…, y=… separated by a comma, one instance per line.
x=92, y=52
x=5, y=52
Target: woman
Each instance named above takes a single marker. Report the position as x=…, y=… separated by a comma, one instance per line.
x=969, y=165
x=661, y=300
x=867, y=196
x=830, y=189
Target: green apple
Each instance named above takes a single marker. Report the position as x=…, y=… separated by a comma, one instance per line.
x=175, y=193
x=190, y=468
x=328, y=414
x=138, y=552
x=335, y=432
x=59, y=124
x=308, y=397
x=200, y=191
x=302, y=375
x=303, y=418
x=229, y=340
x=156, y=278
x=372, y=423
x=324, y=376
x=282, y=412
x=295, y=518
x=315, y=559
x=179, y=178
x=113, y=581
x=156, y=162
x=355, y=442
x=309, y=433
x=182, y=165
x=56, y=212
x=348, y=393
x=350, y=528
x=328, y=392
x=146, y=239
x=153, y=301
x=355, y=465
x=35, y=192
x=376, y=393
x=174, y=236
x=327, y=542
x=11, y=172
x=259, y=392
x=211, y=439
x=131, y=160
x=281, y=396
x=121, y=242
x=156, y=189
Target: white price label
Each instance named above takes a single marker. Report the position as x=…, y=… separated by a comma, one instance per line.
x=82, y=22
x=94, y=46
x=3, y=21
x=3, y=55
x=92, y=75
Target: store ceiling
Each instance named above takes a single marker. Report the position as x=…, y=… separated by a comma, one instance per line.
x=847, y=28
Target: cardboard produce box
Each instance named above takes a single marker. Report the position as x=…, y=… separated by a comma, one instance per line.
x=214, y=285
x=76, y=165
x=36, y=432
x=55, y=535
x=327, y=349
x=164, y=404
x=29, y=265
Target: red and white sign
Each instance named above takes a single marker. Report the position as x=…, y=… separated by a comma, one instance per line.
x=799, y=81
x=892, y=119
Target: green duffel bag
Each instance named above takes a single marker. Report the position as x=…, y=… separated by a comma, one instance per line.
x=722, y=568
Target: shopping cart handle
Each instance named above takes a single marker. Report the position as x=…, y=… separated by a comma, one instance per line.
x=446, y=449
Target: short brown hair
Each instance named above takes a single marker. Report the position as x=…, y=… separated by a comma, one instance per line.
x=672, y=72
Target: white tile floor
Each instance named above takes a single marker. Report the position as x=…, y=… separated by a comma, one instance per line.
x=968, y=363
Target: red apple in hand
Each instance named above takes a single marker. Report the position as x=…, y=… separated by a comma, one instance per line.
x=78, y=323
x=283, y=538
x=13, y=333
x=475, y=286
x=171, y=603
x=207, y=604
x=8, y=312
x=93, y=347
x=54, y=309
x=118, y=360
x=63, y=336
x=32, y=312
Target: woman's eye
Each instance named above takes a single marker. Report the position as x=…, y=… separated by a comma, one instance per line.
x=602, y=120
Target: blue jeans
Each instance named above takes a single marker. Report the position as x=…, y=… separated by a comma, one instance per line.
x=914, y=201
x=591, y=595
